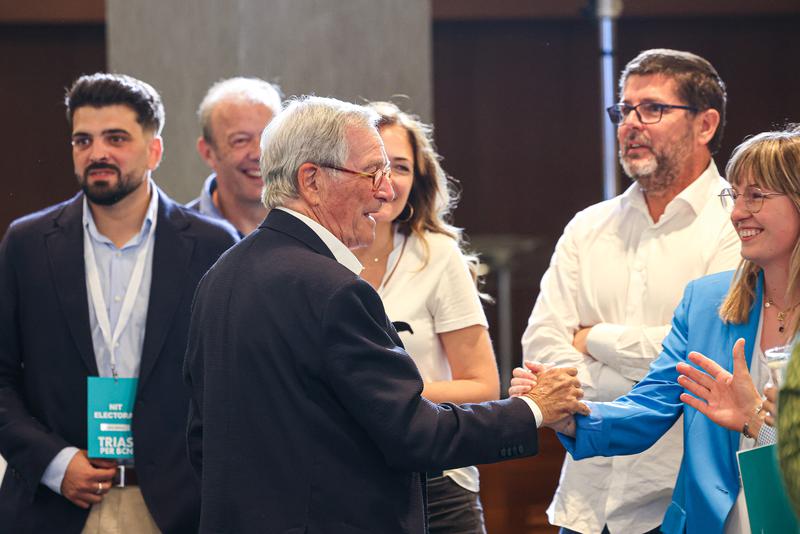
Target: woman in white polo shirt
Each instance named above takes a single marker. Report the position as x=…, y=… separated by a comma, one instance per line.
x=427, y=284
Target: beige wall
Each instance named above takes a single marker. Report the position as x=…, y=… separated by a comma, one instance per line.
x=348, y=49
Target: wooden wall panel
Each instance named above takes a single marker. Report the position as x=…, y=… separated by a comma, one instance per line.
x=37, y=64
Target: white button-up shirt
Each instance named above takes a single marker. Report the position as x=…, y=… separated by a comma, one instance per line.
x=618, y=271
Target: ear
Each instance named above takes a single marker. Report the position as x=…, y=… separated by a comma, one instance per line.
x=154, y=152
x=309, y=185
x=206, y=151
x=706, y=124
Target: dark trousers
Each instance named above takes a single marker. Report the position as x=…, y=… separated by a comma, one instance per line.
x=563, y=530
x=453, y=509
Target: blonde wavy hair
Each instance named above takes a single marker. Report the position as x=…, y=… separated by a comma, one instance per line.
x=434, y=194
x=771, y=160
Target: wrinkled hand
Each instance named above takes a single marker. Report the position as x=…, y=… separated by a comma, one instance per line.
x=564, y=426
x=771, y=405
x=579, y=341
x=730, y=400
x=84, y=477
x=558, y=393
x=524, y=379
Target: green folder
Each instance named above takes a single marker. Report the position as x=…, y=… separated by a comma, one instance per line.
x=768, y=506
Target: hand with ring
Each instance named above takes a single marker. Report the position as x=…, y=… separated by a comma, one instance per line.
x=87, y=481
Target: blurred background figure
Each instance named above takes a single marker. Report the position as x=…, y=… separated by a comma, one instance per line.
x=789, y=429
x=427, y=283
x=232, y=116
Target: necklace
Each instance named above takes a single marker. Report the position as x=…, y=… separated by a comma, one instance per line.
x=396, y=263
x=781, y=313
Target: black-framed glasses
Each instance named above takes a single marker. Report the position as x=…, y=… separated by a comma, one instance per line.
x=646, y=112
x=753, y=198
x=377, y=177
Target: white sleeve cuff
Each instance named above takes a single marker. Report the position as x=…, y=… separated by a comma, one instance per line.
x=54, y=474
x=537, y=412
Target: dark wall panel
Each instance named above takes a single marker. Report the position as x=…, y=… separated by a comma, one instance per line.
x=37, y=63
x=517, y=120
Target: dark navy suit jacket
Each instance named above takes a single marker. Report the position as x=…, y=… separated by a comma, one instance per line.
x=306, y=413
x=46, y=354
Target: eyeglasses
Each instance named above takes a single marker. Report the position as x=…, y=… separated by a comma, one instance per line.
x=753, y=198
x=646, y=112
x=377, y=177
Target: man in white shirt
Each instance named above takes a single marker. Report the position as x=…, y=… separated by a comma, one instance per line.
x=619, y=270
x=232, y=116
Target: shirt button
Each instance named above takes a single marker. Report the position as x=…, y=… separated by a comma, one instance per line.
x=116, y=345
x=119, y=254
x=117, y=298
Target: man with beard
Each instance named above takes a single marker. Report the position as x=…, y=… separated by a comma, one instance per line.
x=619, y=270
x=97, y=290
x=232, y=116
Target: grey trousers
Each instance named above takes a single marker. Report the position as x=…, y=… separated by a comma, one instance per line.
x=453, y=509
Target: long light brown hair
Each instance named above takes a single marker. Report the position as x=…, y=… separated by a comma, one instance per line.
x=772, y=161
x=434, y=194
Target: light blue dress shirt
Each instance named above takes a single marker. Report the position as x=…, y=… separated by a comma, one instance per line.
x=114, y=266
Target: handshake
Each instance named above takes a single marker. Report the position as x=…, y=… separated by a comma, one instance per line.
x=556, y=391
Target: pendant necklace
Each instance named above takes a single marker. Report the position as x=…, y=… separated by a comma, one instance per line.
x=781, y=313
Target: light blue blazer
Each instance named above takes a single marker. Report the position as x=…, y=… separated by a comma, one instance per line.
x=708, y=480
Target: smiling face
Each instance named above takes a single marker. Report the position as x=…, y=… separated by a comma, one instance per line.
x=401, y=158
x=236, y=126
x=112, y=155
x=770, y=236
x=656, y=155
x=347, y=202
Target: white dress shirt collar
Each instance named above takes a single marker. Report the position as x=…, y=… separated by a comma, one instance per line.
x=337, y=248
x=695, y=196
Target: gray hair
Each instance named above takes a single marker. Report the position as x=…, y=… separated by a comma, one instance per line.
x=253, y=90
x=310, y=129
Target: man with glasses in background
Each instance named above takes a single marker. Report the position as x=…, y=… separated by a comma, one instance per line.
x=619, y=270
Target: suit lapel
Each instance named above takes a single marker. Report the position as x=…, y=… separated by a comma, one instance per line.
x=290, y=225
x=64, y=246
x=172, y=252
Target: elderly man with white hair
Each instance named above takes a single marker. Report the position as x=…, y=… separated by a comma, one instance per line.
x=306, y=412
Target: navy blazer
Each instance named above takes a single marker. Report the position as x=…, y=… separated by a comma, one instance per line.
x=306, y=414
x=708, y=480
x=46, y=354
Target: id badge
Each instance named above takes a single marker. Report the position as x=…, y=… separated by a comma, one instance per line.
x=110, y=413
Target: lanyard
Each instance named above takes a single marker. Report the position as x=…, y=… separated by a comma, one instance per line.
x=96, y=292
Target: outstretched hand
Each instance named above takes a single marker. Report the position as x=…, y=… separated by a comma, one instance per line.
x=730, y=400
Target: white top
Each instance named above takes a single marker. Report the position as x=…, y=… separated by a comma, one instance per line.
x=432, y=298
x=616, y=269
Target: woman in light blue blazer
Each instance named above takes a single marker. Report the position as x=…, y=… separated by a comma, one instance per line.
x=758, y=303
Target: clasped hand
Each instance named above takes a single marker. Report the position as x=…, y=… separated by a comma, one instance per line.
x=556, y=391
